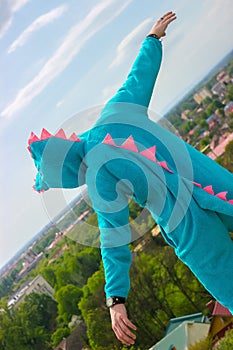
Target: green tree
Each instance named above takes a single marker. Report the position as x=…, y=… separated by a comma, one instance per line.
x=227, y=159
x=28, y=326
x=40, y=309
x=96, y=315
x=205, y=141
x=230, y=125
x=186, y=127
x=203, y=124
x=215, y=104
x=59, y=334
x=45, y=241
x=67, y=298
x=49, y=274
x=229, y=94
x=207, y=101
x=69, y=273
x=226, y=342
x=89, y=260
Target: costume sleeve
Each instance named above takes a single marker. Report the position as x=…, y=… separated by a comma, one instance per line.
x=110, y=202
x=116, y=255
x=139, y=84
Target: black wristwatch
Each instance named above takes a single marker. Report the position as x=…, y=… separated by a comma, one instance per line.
x=111, y=301
x=153, y=36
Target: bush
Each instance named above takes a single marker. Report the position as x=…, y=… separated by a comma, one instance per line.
x=226, y=342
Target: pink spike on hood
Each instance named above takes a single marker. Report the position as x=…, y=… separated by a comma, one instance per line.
x=33, y=138
x=197, y=184
x=149, y=153
x=165, y=166
x=230, y=201
x=73, y=137
x=129, y=144
x=222, y=195
x=61, y=134
x=209, y=189
x=109, y=141
x=45, y=134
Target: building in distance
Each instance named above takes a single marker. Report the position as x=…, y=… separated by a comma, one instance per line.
x=38, y=285
x=200, y=95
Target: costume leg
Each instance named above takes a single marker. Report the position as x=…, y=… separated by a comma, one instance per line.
x=204, y=244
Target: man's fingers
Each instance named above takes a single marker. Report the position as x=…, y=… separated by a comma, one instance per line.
x=167, y=21
x=122, y=331
x=129, y=324
x=126, y=330
x=124, y=338
x=168, y=18
x=167, y=14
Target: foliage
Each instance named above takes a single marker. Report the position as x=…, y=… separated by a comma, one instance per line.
x=29, y=326
x=205, y=141
x=49, y=275
x=227, y=158
x=204, y=344
x=67, y=298
x=215, y=104
x=96, y=315
x=229, y=94
x=45, y=241
x=59, y=334
x=226, y=342
x=169, y=290
x=7, y=282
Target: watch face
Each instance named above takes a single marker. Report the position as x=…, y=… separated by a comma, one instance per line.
x=109, y=302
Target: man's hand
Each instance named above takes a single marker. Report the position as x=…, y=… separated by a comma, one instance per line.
x=121, y=324
x=161, y=25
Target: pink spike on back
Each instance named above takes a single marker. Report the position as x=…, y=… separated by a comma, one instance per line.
x=149, y=153
x=33, y=138
x=165, y=166
x=109, y=141
x=73, y=137
x=222, y=195
x=230, y=201
x=61, y=134
x=45, y=134
x=209, y=189
x=129, y=144
x=197, y=184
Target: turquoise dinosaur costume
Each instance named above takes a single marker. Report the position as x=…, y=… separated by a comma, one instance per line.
x=126, y=155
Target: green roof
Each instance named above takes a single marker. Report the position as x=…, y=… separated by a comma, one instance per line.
x=175, y=322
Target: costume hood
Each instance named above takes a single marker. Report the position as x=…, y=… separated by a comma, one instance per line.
x=58, y=160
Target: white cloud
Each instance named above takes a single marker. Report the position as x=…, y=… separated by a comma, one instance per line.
x=17, y=4
x=36, y=25
x=131, y=40
x=7, y=10
x=101, y=15
x=60, y=103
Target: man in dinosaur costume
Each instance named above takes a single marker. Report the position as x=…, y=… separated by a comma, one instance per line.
x=126, y=155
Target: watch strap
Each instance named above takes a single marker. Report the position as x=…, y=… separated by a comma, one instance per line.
x=111, y=301
x=153, y=36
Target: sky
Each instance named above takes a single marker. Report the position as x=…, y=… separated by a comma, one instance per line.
x=62, y=58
